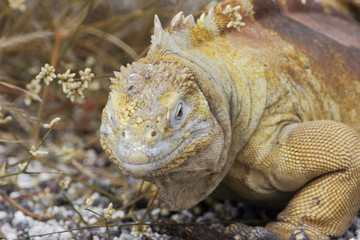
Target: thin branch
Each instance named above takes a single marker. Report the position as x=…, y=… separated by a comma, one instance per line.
x=73, y=207
x=7, y=43
x=24, y=210
x=114, y=40
x=148, y=208
x=104, y=218
x=30, y=158
x=9, y=85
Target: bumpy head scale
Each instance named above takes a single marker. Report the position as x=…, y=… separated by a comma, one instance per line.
x=142, y=83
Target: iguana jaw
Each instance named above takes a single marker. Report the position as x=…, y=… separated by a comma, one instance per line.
x=142, y=160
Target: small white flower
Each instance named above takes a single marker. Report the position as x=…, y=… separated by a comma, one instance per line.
x=235, y=17
x=109, y=211
x=89, y=202
x=139, y=230
x=235, y=24
x=4, y=119
x=52, y=123
x=47, y=194
x=74, y=90
x=35, y=152
x=86, y=76
x=74, y=87
x=230, y=10
x=65, y=183
x=17, y=4
x=22, y=166
x=66, y=77
x=34, y=87
x=47, y=73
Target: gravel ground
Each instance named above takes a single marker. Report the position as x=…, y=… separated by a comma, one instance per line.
x=43, y=195
x=64, y=225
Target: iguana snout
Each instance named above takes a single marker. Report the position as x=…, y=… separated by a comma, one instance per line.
x=140, y=135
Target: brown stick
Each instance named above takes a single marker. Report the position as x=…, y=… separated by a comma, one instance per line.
x=24, y=210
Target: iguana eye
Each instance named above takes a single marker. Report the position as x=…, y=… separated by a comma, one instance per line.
x=178, y=114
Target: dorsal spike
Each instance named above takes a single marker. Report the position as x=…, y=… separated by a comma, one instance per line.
x=211, y=12
x=158, y=29
x=201, y=19
x=177, y=19
x=189, y=20
x=122, y=68
x=158, y=32
x=114, y=80
x=118, y=74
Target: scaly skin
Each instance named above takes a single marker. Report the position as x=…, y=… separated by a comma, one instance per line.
x=264, y=107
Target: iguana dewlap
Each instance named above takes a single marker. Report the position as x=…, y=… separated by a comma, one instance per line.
x=259, y=100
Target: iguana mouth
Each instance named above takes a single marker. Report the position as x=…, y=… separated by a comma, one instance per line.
x=139, y=162
x=134, y=159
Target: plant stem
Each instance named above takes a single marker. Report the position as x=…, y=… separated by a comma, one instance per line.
x=148, y=208
x=53, y=62
x=73, y=207
x=30, y=158
x=22, y=209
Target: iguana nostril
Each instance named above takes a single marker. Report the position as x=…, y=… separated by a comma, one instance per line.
x=151, y=136
x=123, y=134
x=153, y=133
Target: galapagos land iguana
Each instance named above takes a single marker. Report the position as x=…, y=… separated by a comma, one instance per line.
x=257, y=100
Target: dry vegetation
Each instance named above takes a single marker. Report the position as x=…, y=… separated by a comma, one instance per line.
x=46, y=167
x=58, y=172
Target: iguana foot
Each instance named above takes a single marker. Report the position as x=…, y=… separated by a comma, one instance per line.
x=245, y=232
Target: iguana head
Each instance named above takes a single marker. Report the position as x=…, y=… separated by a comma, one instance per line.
x=156, y=116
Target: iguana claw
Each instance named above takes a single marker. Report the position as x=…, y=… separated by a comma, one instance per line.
x=298, y=234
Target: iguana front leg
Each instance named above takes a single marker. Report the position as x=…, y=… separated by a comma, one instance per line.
x=322, y=159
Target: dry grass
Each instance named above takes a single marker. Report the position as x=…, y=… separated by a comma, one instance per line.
x=72, y=167
x=67, y=34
